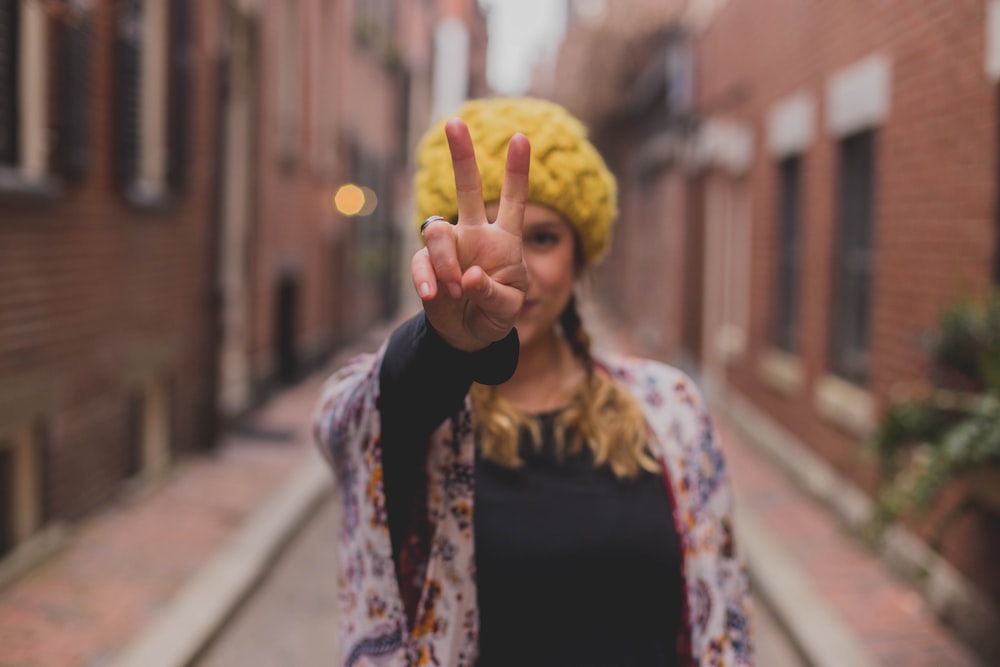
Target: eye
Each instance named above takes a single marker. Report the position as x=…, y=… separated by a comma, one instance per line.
x=541, y=239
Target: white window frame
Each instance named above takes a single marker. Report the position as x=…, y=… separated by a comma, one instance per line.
x=725, y=144
x=151, y=180
x=991, y=54
x=27, y=519
x=791, y=125
x=858, y=97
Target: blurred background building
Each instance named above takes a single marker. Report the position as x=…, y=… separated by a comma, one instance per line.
x=201, y=201
x=805, y=188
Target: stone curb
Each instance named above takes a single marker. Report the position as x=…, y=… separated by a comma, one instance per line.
x=952, y=598
x=206, y=601
x=203, y=605
x=821, y=638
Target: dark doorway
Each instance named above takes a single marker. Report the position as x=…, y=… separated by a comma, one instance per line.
x=284, y=335
x=7, y=483
x=136, y=424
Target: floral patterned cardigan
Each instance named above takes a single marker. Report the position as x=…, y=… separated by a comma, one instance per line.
x=373, y=623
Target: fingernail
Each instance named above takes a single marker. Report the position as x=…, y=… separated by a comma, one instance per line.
x=455, y=290
x=425, y=289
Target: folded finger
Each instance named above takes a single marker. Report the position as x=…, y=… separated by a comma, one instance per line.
x=442, y=249
x=422, y=273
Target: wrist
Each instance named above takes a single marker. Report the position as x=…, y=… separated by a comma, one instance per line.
x=465, y=344
x=468, y=346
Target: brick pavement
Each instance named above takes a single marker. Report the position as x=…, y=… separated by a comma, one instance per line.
x=125, y=563
x=891, y=620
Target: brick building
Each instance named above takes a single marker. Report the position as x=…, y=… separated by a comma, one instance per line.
x=805, y=187
x=170, y=250
x=867, y=203
x=107, y=331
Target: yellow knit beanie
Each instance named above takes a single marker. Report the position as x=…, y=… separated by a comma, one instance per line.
x=566, y=174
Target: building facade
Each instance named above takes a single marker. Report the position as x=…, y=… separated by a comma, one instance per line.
x=805, y=188
x=171, y=249
x=107, y=332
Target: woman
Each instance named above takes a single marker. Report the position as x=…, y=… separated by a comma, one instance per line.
x=510, y=498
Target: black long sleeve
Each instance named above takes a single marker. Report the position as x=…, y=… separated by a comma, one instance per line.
x=423, y=381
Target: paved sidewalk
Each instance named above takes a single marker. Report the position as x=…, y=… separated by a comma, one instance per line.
x=128, y=583
x=891, y=622
x=147, y=580
x=125, y=564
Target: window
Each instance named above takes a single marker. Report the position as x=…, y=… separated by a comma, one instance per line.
x=73, y=95
x=322, y=91
x=44, y=88
x=152, y=60
x=374, y=23
x=24, y=103
x=288, y=86
x=849, y=353
x=21, y=508
x=9, y=87
x=789, y=273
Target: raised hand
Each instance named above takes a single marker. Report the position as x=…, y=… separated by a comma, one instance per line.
x=471, y=276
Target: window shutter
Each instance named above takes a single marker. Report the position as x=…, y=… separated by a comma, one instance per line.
x=180, y=54
x=128, y=40
x=789, y=224
x=9, y=21
x=74, y=79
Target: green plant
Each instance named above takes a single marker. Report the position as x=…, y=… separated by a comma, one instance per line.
x=948, y=425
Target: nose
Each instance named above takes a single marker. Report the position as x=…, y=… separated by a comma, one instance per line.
x=530, y=272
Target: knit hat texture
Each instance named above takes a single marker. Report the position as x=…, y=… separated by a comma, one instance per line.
x=566, y=172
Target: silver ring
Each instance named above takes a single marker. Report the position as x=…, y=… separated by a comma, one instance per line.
x=433, y=218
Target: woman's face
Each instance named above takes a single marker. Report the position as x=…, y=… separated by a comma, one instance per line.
x=550, y=255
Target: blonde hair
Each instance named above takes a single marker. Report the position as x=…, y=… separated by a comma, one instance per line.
x=602, y=416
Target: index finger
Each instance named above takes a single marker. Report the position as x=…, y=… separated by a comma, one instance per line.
x=468, y=182
x=514, y=192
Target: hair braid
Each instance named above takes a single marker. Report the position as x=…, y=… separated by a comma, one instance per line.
x=576, y=335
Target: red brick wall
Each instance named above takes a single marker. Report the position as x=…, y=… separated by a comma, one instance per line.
x=94, y=291
x=298, y=230
x=935, y=189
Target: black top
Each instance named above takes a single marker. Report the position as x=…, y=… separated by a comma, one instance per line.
x=574, y=566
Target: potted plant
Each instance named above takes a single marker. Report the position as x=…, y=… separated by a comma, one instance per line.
x=946, y=427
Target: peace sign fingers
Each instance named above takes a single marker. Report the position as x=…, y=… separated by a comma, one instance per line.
x=514, y=191
x=468, y=182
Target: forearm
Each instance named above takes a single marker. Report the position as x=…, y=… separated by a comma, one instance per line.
x=424, y=381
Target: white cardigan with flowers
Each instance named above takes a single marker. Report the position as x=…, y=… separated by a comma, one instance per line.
x=373, y=625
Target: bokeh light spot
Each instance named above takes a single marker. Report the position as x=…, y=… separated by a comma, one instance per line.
x=349, y=200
